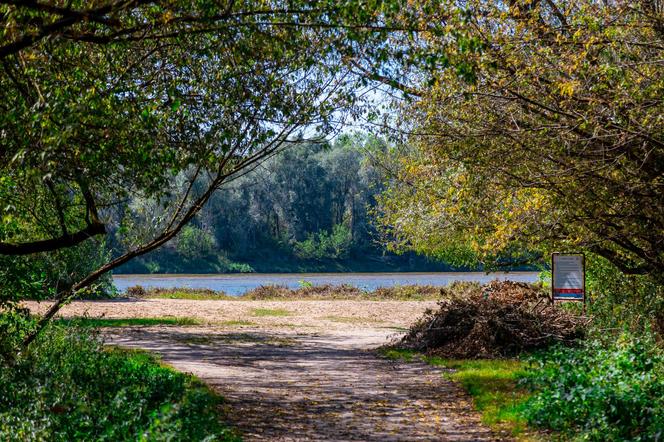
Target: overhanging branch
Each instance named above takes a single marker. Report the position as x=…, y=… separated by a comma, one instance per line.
x=49, y=245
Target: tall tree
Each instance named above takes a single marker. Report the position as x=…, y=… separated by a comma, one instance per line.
x=101, y=101
x=554, y=141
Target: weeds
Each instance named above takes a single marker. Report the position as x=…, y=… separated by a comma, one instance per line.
x=69, y=387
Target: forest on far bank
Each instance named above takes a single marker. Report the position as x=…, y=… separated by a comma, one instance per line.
x=308, y=209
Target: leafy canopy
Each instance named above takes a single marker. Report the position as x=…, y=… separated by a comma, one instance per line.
x=555, y=144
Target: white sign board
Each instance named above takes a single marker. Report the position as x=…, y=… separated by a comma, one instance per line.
x=569, y=278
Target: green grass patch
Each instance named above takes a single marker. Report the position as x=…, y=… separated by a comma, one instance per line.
x=270, y=312
x=126, y=322
x=351, y=319
x=138, y=291
x=237, y=323
x=492, y=383
x=397, y=354
x=493, y=386
x=70, y=387
x=192, y=295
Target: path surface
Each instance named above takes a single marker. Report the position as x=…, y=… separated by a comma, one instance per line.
x=316, y=381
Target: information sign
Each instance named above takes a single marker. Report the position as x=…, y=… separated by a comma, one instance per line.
x=569, y=277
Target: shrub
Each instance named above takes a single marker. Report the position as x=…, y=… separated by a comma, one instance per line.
x=136, y=291
x=409, y=292
x=38, y=276
x=600, y=392
x=619, y=300
x=325, y=245
x=69, y=387
x=14, y=325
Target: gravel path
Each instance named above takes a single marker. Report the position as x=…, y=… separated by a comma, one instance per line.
x=307, y=376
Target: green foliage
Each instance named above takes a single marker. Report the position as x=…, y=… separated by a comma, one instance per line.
x=69, y=387
x=41, y=276
x=194, y=243
x=270, y=312
x=305, y=284
x=15, y=323
x=618, y=300
x=525, y=157
x=600, y=392
x=325, y=245
x=307, y=209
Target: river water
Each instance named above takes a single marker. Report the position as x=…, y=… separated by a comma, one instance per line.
x=235, y=284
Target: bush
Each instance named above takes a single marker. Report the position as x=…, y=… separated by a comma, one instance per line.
x=69, y=387
x=619, y=300
x=38, y=276
x=136, y=291
x=14, y=326
x=600, y=392
x=325, y=245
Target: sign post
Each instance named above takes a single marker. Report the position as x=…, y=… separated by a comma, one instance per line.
x=568, y=281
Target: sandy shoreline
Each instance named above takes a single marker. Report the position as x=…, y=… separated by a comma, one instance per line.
x=331, y=315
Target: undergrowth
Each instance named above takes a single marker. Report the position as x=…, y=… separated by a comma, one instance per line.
x=601, y=391
x=69, y=387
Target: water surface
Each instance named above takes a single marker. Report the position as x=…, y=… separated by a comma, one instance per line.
x=235, y=284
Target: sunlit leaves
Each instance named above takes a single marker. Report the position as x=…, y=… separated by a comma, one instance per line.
x=560, y=136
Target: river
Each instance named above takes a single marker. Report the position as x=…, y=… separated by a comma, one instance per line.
x=235, y=284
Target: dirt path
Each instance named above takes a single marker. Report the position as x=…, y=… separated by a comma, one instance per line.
x=298, y=378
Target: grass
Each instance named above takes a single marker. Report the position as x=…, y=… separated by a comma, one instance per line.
x=351, y=319
x=492, y=383
x=237, y=323
x=126, y=322
x=270, y=312
x=202, y=295
x=70, y=387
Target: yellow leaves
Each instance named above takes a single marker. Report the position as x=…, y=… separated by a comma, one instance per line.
x=167, y=16
x=567, y=88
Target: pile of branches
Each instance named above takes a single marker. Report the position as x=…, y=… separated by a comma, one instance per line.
x=500, y=319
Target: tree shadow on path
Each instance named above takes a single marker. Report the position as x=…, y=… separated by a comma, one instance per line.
x=290, y=386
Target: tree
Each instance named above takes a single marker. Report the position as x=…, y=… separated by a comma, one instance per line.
x=555, y=140
x=146, y=98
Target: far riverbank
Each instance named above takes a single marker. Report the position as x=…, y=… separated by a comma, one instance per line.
x=235, y=284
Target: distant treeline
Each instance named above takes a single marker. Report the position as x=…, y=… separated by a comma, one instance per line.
x=306, y=209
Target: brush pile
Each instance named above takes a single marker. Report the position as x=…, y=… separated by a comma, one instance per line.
x=500, y=319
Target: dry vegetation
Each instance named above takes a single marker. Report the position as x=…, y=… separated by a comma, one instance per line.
x=276, y=293
x=496, y=320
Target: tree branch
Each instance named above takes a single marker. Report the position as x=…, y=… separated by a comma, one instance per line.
x=48, y=245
